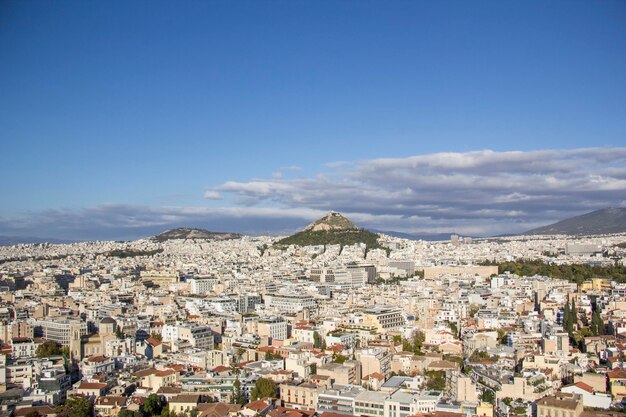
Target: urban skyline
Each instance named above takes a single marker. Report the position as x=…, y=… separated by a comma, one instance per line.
x=119, y=120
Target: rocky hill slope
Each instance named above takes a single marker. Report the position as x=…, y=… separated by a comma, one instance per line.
x=604, y=221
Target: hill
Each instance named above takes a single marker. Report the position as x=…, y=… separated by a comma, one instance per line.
x=332, y=229
x=604, y=221
x=191, y=233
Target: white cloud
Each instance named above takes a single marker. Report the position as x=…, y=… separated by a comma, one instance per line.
x=212, y=195
x=480, y=193
x=506, y=190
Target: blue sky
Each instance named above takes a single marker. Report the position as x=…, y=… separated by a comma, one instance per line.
x=137, y=111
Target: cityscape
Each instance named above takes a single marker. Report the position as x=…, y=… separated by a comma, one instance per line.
x=313, y=209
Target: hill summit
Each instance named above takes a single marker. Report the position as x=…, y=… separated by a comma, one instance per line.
x=604, y=221
x=332, y=229
x=192, y=233
x=331, y=221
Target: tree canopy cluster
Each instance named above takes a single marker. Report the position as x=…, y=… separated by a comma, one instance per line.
x=50, y=348
x=131, y=253
x=577, y=273
x=332, y=237
x=415, y=343
x=153, y=406
x=263, y=388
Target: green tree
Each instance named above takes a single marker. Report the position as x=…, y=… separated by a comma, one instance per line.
x=317, y=340
x=407, y=346
x=487, y=396
x=76, y=406
x=574, y=315
x=156, y=336
x=597, y=324
x=264, y=388
x=454, y=329
x=436, y=380
x=193, y=413
x=119, y=333
x=313, y=368
x=127, y=413
x=237, y=397
x=339, y=358
x=418, y=339
x=49, y=348
x=269, y=355
x=566, y=316
x=502, y=337
x=153, y=405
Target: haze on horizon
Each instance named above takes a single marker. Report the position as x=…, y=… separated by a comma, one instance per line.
x=119, y=120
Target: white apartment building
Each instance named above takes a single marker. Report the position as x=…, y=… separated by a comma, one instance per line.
x=60, y=330
x=200, y=336
x=273, y=327
x=383, y=318
x=202, y=285
x=23, y=348
x=290, y=303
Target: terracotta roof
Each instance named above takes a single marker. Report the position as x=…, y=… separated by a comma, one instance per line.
x=186, y=398
x=584, y=386
x=617, y=373
x=98, y=358
x=217, y=409
x=42, y=410
x=290, y=412
x=92, y=385
x=152, y=341
x=166, y=372
x=220, y=369
x=442, y=364
x=258, y=406
x=111, y=400
x=21, y=339
x=375, y=375
x=170, y=390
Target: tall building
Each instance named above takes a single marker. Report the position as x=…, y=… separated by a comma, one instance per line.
x=62, y=331
x=384, y=319
x=273, y=327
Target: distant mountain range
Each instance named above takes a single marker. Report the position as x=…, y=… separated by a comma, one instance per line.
x=192, y=233
x=17, y=240
x=332, y=229
x=604, y=221
x=335, y=228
